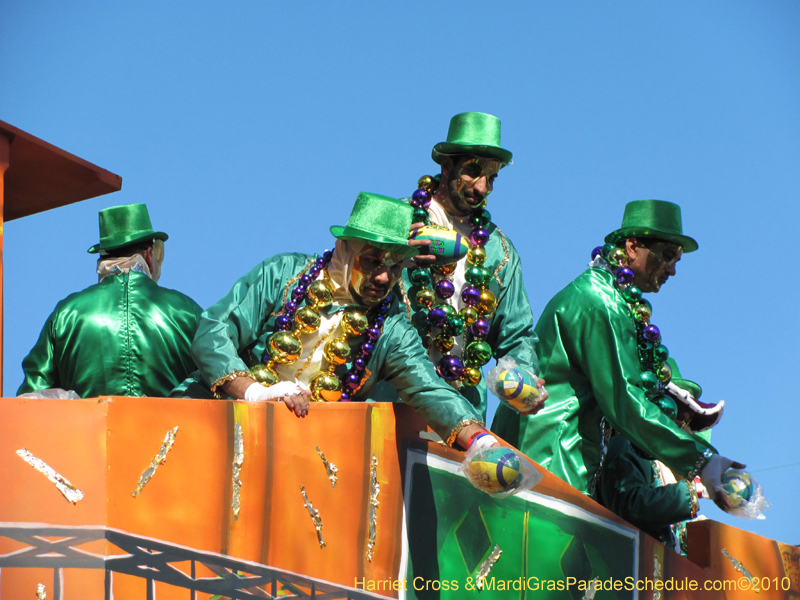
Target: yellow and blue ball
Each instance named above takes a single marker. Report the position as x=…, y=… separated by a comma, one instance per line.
x=738, y=486
x=517, y=388
x=495, y=470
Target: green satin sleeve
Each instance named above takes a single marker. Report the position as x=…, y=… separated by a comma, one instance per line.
x=39, y=367
x=402, y=362
x=231, y=328
x=627, y=489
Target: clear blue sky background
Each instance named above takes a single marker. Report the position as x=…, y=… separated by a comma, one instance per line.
x=250, y=127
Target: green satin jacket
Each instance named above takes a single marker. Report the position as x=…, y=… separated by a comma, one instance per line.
x=125, y=336
x=233, y=336
x=511, y=326
x=589, y=357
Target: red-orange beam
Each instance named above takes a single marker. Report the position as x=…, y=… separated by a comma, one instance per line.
x=5, y=153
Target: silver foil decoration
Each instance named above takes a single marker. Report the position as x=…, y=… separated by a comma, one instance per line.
x=737, y=564
x=159, y=459
x=238, y=460
x=486, y=566
x=591, y=590
x=374, y=490
x=330, y=468
x=41, y=593
x=315, y=518
x=69, y=491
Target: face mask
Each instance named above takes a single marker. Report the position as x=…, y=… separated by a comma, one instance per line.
x=367, y=265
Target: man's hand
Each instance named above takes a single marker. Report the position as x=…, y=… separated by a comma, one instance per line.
x=543, y=395
x=421, y=260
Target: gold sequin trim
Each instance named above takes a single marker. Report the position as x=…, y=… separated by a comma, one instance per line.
x=238, y=461
x=486, y=566
x=315, y=518
x=226, y=379
x=367, y=374
x=291, y=282
x=505, y=260
x=694, y=499
x=375, y=489
x=160, y=459
x=406, y=302
x=466, y=422
x=311, y=356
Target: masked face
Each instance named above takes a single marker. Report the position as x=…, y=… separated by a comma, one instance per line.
x=652, y=262
x=374, y=274
x=470, y=181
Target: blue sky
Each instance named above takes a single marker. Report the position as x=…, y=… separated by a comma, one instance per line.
x=250, y=127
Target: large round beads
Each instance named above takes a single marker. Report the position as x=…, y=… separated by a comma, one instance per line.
x=354, y=322
x=264, y=375
x=319, y=294
x=284, y=347
x=326, y=387
x=307, y=319
x=337, y=351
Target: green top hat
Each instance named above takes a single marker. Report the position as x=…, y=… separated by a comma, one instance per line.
x=380, y=221
x=124, y=225
x=473, y=133
x=686, y=384
x=652, y=219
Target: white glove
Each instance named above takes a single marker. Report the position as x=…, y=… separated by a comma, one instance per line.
x=711, y=474
x=258, y=393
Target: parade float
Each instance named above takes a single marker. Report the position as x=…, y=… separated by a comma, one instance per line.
x=178, y=498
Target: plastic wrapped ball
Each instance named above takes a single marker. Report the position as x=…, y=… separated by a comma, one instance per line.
x=486, y=303
x=427, y=183
x=476, y=256
x=373, y=333
x=642, y=311
x=477, y=276
x=319, y=294
x=449, y=368
x=517, y=387
x=667, y=405
x=284, y=347
x=420, y=277
x=478, y=353
x=443, y=343
x=351, y=382
x=480, y=218
x=617, y=257
x=264, y=375
x=651, y=334
x=420, y=216
x=326, y=387
x=606, y=250
x=495, y=470
x=437, y=317
x=738, y=486
x=426, y=298
x=354, y=322
x=367, y=349
x=444, y=270
x=470, y=376
x=470, y=295
x=290, y=308
x=596, y=252
x=632, y=294
x=649, y=381
x=307, y=319
x=660, y=354
x=445, y=289
x=480, y=328
x=624, y=275
x=468, y=314
x=664, y=373
x=359, y=364
x=454, y=325
x=298, y=294
x=284, y=323
x=422, y=197
x=337, y=351
x=479, y=237
x=449, y=311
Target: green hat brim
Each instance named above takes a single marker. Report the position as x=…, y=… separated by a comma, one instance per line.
x=688, y=244
x=384, y=243
x=446, y=149
x=127, y=240
x=690, y=386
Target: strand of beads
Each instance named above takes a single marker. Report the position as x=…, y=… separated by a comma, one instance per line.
x=479, y=302
x=354, y=376
x=656, y=373
x=284, y=346
x=326, y=385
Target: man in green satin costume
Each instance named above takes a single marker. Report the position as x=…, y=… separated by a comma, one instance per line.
x=589, y=356
x=126, y=335
x=470, y=160
x=247, y=343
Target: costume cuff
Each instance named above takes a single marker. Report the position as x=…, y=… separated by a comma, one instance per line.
x=693, y=496
x=226, y=379
x=698, y=466
x=451, y=439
